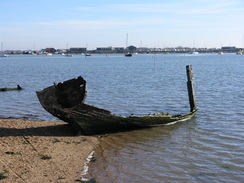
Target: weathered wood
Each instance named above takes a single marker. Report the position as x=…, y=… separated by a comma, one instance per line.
x=71, y=93
x=190, y=87
x=65, y=100
x=10, y=89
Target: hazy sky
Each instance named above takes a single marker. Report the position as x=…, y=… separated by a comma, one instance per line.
x=29, y=24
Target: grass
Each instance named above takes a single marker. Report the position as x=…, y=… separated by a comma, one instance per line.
x=44, y=157
x=13, y=153
x=2, y=174
x=74, y=142
x=25, y=172
x=57, y=140
x=67, y=142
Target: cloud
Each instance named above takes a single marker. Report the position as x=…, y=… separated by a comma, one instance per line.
x=78, y=24
x=182, y=7
x=10, y=29
x=97, y=24
x=154, y=15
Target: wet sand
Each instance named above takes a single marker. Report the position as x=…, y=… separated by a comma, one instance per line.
x=41, y=151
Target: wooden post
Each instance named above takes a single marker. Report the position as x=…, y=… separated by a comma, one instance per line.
x=190, y=86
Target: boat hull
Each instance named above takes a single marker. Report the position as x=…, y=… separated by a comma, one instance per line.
x=92, y=120
x=128, y=55
x=66, y=101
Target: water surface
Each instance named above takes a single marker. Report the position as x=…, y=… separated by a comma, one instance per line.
x=208, y=148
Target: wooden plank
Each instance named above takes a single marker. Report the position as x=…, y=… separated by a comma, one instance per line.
x=190, y=87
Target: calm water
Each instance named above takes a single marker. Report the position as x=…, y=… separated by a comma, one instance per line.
x=208, y=148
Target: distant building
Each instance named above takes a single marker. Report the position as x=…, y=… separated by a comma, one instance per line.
x=26, y=52
x=50, y=50
x=228, y=48
x=119, y=49
x=131, y=49
x=142, y=50
x=77, y=50
x=104, y=49
x=12, y=52
x=60, y=51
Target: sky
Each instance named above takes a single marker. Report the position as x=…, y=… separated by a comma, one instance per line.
x=37, y=24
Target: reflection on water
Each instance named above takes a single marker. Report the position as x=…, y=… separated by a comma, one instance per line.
x=207, y=148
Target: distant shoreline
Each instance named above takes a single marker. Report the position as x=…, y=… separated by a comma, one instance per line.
x=136, y=52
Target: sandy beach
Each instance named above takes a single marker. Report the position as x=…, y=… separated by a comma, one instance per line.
x=42, y=151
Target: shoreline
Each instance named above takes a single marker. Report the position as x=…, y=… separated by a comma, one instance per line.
x=42, y=151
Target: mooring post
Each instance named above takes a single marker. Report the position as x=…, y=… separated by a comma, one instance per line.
x=190, y=87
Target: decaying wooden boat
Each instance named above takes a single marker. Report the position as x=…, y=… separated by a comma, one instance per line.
x=10, y=89
x=66, y=101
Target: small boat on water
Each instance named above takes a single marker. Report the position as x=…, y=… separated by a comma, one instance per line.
x=68, y=55
x=66, y=101
x=87, y=54
x=193, y=52
x=4, y=55
x=128, y=54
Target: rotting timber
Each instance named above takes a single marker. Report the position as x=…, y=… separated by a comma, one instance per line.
x=11, y=89
x=65, y=100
